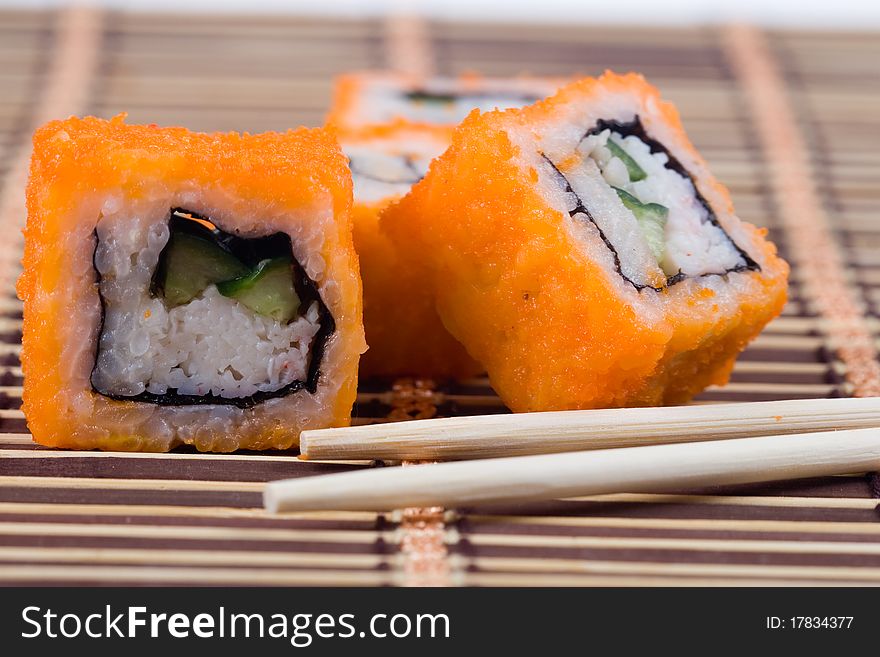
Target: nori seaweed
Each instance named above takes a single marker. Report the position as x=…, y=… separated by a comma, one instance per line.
x=426, y=96
x=408, y=161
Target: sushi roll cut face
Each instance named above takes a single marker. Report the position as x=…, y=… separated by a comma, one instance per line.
x=182, y=288
x=203, y=315
x=582, y=251
x=379, y=98
x=658, y=227
x=405, y=335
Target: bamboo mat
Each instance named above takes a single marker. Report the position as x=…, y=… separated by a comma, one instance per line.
x=789, y=120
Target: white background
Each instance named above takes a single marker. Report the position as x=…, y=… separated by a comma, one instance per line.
x=795, y=13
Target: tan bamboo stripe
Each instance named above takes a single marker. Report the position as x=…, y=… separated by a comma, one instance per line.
x=16, y=414
x=788, y=342
x=257, y=487
x=684, y=524
x=639, y=581
x=225, y=513
x=10, y=304
x=407, y=41
x=734, y=500
x=671, y=569
x=675, y=544
x=291, y=460
x=793, y=325
x=822, y=389
x=773, y=367
x=170, y=532
x=178, y=557
x=422, y=530
x=193, y=576
x=173, y=511
x=16, y=439
x=101, y=483
x=807, y=228
x=65, y=90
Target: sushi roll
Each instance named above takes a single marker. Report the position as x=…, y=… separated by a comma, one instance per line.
x=362, y=99
x=186, y=288
x=391, y=126
x=404, y=333
x=583, y=253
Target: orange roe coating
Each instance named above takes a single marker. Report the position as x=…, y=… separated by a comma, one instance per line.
x=79, y=159
x=548, y=323
x=346, y=90
x=405, y=335
x=348, y=94
x=404, y=332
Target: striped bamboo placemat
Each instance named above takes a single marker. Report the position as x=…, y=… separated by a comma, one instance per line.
x=789, y=120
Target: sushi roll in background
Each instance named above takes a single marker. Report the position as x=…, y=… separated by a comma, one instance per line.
x=582, y=251
x=391, y=126
x=362, y=99
x=185, y=288
x=404, y=333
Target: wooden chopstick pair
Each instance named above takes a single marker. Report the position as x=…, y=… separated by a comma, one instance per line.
x=793, y=441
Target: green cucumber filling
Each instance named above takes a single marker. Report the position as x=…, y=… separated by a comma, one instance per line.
x=192, y=314
x=620, y=170
x=191, y=262
x=645, y=205
x=652, y=220
x=635, y=172
x=431, y=98
x=267, y=289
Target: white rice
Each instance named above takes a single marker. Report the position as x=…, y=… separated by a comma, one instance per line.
x=694, y=246
x=617, y=224
x=385, y=167
x=211, y=344
x=387, y=99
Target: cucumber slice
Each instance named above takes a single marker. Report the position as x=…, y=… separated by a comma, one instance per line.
x=635, y=172
x=267, y=290
x=189, y=264
x=652, y=220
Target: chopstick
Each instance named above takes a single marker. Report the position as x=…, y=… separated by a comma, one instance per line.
x=488, y=436
x=651, y=469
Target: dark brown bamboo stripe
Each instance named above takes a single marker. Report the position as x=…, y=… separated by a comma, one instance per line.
x=58, y=516
x=173, y=466
x=202, y=497
x=541, y=571
x=673, y=528
x=697, y=555
x=159, y=541
x=684, y=510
